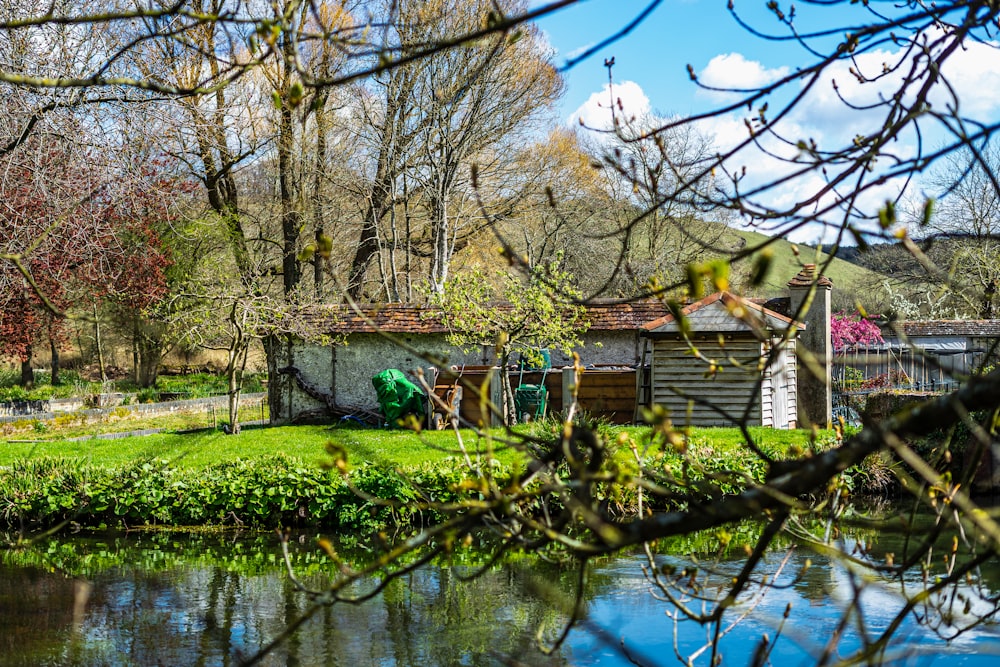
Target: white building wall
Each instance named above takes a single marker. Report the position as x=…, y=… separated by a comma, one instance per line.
x=365, y=355
x=615, y=348
x=345, y=370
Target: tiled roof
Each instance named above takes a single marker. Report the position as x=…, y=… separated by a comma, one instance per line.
x=911, y=328
x=612, y=316
x=390, y=317
x=409, y=318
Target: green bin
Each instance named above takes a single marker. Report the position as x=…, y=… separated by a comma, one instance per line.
x=529, y=399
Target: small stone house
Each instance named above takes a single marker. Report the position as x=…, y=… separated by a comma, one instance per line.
x=400, y=335
x=318, y=380
x=734, y=353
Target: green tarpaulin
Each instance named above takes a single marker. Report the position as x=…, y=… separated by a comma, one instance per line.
x=398, y=397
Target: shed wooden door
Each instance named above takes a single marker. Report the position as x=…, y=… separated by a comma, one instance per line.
x=780, y=387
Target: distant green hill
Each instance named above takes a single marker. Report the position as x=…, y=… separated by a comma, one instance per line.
x=848, y=279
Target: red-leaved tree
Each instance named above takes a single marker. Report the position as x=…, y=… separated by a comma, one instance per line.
x=140, y=212
x=73, y=232
x=44, y=211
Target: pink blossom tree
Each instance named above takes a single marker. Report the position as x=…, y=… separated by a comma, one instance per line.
x=853, y=330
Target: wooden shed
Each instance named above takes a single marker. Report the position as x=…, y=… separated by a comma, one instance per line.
x=731, y=353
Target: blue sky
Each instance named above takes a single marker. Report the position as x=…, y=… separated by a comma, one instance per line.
x=656, y=53
x=651, y=71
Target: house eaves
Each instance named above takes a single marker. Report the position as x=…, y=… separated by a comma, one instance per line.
x=973, y=328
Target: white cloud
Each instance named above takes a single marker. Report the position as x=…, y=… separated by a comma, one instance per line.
x=827, y=115
x=831, y=117
x=733, y=71
x=974, y=72
x=626, y=98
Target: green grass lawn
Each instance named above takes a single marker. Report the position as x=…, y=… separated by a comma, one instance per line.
x=208, y=447
x=396, y=448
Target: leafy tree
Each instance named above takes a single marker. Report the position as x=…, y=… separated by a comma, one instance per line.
x=145, y=211
x=51, y=235
x=514, y=316
x=71, y=236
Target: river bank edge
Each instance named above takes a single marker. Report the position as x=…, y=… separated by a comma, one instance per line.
x=346, y=489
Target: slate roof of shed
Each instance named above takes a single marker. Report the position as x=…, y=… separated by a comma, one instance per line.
x=414, y=319
x=721, y=312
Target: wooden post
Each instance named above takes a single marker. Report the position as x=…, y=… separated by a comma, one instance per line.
x=496, y=396
x=569, y=389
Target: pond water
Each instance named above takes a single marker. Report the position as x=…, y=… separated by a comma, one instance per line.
x=190, y=599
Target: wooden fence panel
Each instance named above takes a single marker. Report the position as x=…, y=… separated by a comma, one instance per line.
x=604, y=393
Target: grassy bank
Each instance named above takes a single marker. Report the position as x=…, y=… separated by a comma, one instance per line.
x=321, y=476
x=209, y=447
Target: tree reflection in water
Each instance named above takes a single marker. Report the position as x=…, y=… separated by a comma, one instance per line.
x=184, y=599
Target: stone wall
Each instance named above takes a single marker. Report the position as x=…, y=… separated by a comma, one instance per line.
x=344, y=371
x=250, y=405
x=986, y=479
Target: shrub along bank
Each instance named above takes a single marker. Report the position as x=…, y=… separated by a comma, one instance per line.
x=263, y=492
x=371, y=479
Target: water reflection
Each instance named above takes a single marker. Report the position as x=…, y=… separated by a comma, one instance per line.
x=196, y=600
x=165, y=599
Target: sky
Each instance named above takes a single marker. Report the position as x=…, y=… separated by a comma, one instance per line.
x=654, y=56
x=651, y=72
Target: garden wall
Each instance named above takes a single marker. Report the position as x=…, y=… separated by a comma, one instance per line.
x=987, y=477
x=252, y=405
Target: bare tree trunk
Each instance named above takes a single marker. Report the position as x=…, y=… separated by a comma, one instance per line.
x=54, y=349
x=275, y=388
x=392, y=282
x=235, y=366
x=150, y=348
x=234, y=371
x=443, y=246
x=136, y=357
x=367, y=249
x=100, y=346
x=409, y=245
x=322, y=253
x=27, y=372
x=394, y=142
x=508, y=407
x=290, y=217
